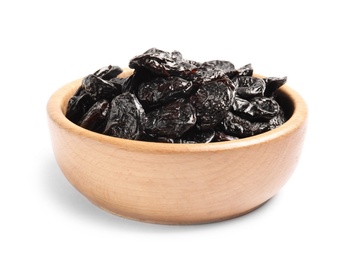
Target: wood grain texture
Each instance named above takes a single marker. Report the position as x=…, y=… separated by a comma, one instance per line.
x=177, y=183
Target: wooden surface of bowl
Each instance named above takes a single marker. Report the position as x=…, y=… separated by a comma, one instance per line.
x=177, y=183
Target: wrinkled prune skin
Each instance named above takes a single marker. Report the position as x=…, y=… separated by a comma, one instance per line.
x=256, y=109
x=171, y=120
x=246, y=70
x=273, y=83
x=221, y=136
x=197, y=136
x=162, y=63
x=249, y=87
x=126, y=117
x=170, y=99
x=240, y=127
x=161, y=90
x=109, y=72
x=99, y=88
x=78, y=105
x=95, y=117
x=225, y=66
x=212, y=102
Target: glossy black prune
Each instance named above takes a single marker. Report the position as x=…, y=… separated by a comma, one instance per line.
x=273, y=83
x=196, y=136
x=225, y=66
x=99, y=88
x=249, y=87
x=256, y=109
x=78, y=105
x=160, y=90
x=221, y=136
x=108, y=72
x=212, y=101
x=170, y=99
x=162, y=63
x=95, y=118
x=240, y=127
x=126, y=117
x=171, y=120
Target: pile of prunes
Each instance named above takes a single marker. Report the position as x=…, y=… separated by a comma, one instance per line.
x=174, y=100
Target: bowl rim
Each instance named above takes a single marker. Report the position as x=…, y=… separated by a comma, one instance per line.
x=55, y=108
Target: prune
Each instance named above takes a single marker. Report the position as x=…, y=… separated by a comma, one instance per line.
x=108, y=72
x=78, y=105
x=171, y=120
x=240, y=127
x=161, y=63
x=195, y=136
x=212, y=101
x=95, y=118
x=205, y=73
x=249, y=86
x=99, y=88
x=256, y=109
x=160, y=90
x=273, y=83
x=126, y=117
x=246, y=70
x=221, y=136
x=225, y=66
x=170, y=99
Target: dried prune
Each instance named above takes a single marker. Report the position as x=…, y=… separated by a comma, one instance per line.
x=249, y=86
x=171, y=120
x=95, y=117
x=99, y=88
x=108, y=72
x=212, y=101
x=78, y=105
x=160, y=90
x=195, y=136
x=162, y=63
x=171, y=99
x=241, y=127
x=273, y=83
x=256, y=109
x=225, y=66
x=221, y=136
x=126, y=117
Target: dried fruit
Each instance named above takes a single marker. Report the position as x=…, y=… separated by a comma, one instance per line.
x=170, y=99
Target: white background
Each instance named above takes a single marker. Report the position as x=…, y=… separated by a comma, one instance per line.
x=46, y=44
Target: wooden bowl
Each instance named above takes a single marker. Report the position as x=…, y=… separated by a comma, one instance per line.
x=177, y=183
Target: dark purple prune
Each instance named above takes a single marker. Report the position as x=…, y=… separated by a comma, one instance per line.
x=246, y=70
x=212, y=101
x=249, y=87
x=221, y=136
x=118, y=82
x=241, y=127
x=139, y=76
x=126, y=117
x=160, y=90
x=78, y=105
x=256, y=109
x=195, y=136
x=171, y=120
x=278, y=120
x=109, y=72
x=99, y=88
x=273, y=83
x=205, y=73
x=161, y=63
x=225, y=66
x=95, y=118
